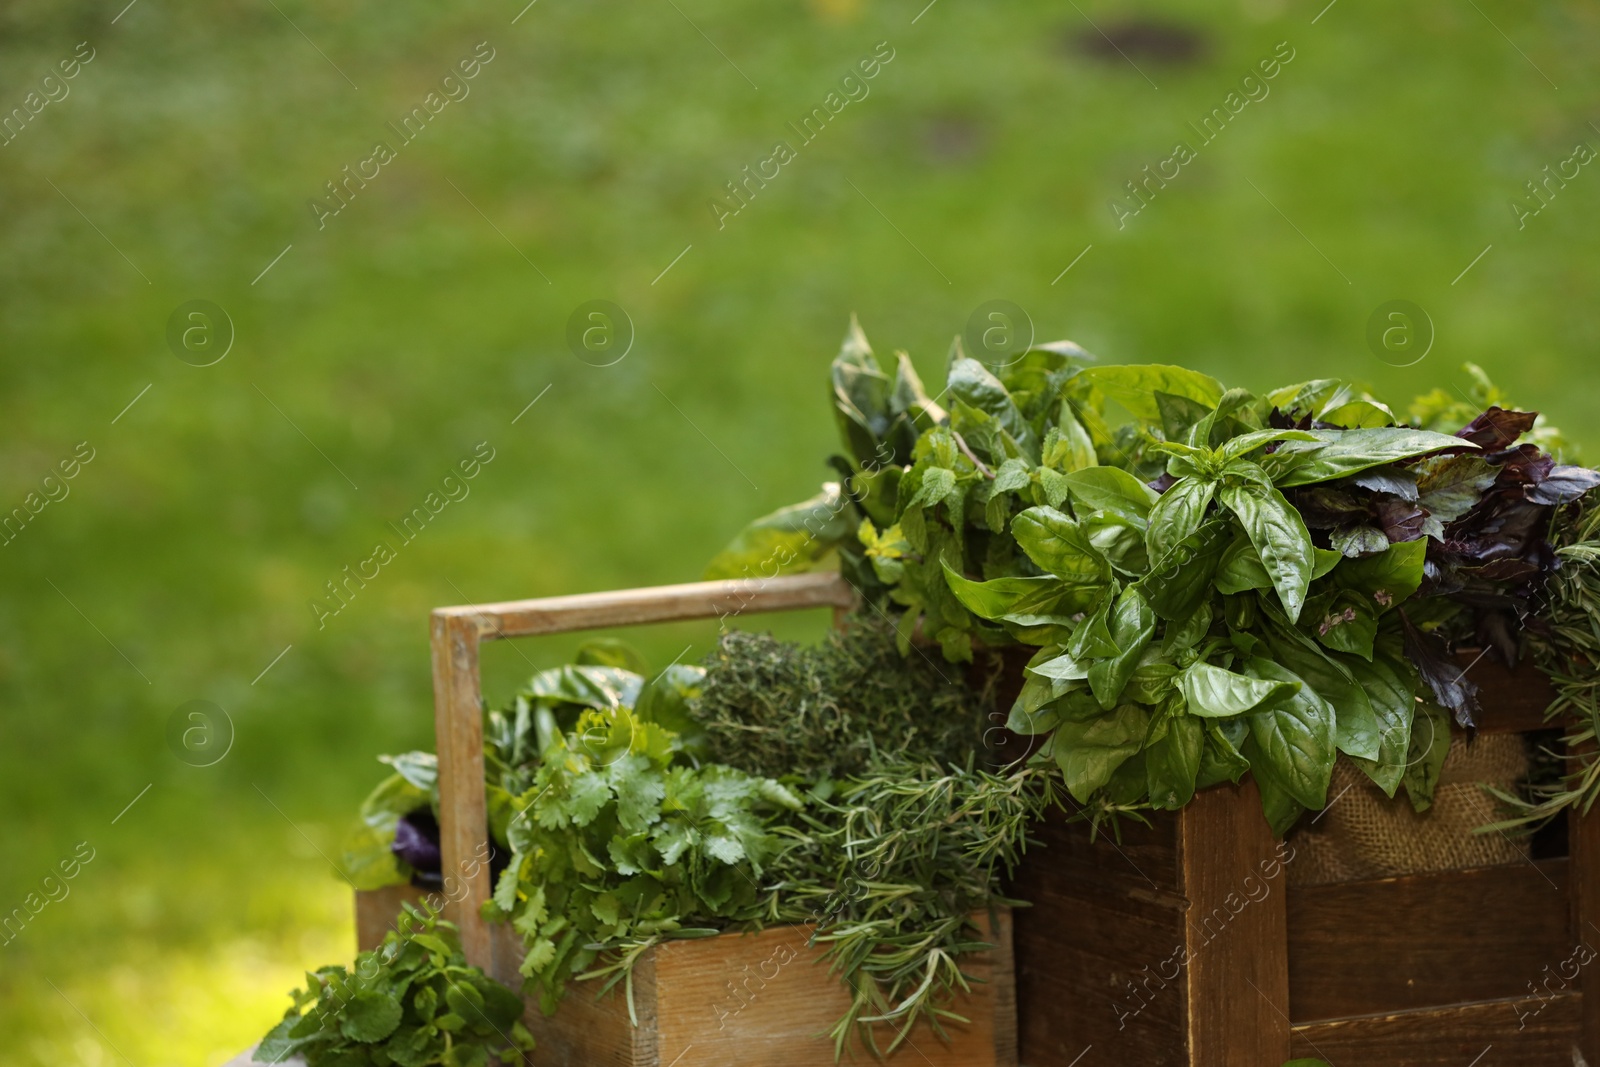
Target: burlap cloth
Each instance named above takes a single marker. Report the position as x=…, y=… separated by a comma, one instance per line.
x=1363, y=834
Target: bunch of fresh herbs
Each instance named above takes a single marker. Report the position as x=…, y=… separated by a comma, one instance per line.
x=636, y=811
x=411, y=1002
x=1566, y=646
x=769, y=707
x=1223, y=583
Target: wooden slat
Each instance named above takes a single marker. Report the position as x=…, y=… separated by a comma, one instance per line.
x=1480, y=1034
x=463, y=812
x=1584, y=845
x=1512, y=701
x=1393, y=944
x=1238, y=968
x=662, y=603
x=1067, y=1028
x=733, y=1001
x=457, y=696
x=377, y=910
x=1095, y=925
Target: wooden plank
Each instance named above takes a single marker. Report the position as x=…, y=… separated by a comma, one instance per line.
x=1237, y=926
x=1513, y=701
x=1584, y=845
x=1441, y=938
x=1068, y=1028
x=1105, y=914
x=767, y=998
x=1141, y=856
x=1515, y=1032
x=463, y=812
x=595, y=1031
x=662, y=603
x=377, y=910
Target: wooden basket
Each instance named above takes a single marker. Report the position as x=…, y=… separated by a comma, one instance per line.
x=1183, y=946
x=695, y=1000
x=735, y=1000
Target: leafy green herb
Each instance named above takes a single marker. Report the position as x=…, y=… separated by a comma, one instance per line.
x=1227, y=582
x=412, y=1002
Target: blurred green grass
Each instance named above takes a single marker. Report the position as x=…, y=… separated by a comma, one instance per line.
x=410, y=328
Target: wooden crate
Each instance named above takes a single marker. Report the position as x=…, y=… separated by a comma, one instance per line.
x=736, y=1000
x=679, y=986
x=1183, y=946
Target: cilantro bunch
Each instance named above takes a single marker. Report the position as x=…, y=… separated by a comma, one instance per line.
x=617, y=844
x=411, y=1002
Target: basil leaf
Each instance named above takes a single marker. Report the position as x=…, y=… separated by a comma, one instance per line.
x=1132, y=624
x=1179, y=513
x=1359, y=414
x=1387, y=681
x=860, y=397
x=1089, y=752
x=1449, y=486
x=1358, y=732
x=1062, y=668
x=794, y=538
x=1215, y=693
x=1344, y=622
x=1044, y=595
x=1280, y=536
x=1134, y=387
x=1387, y=578
x=907, y=397
x=1180, y=415
x=1220, y=760
x=1337, y=453
x=1119, y=540
x=1067, y=446
x=1058, y=545
x=1308, y=397
x=1112, y=489
x=1092, y=638
x=1187, y=634
x=1278, y=805
x=970, y=381
x=1240, y=446
x=1291, y=741
x=1428, y=746
x=1358, y=542
x=1172, y=763
x=1030, y=723
x=1181, y=581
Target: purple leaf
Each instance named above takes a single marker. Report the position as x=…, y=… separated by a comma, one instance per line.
x=1563, y=485
x=1394, y=480
x=1497, y=428
x=1429, y=654
x=1400, y=519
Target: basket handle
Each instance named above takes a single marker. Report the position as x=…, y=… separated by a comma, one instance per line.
x=458, y=700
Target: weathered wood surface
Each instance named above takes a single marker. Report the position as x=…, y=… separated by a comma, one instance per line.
x=458, y=698
x=734, y=1000
x=661, y=603
x=1512, y=700
x=1098, y=980
x=1392, y=944
x=463, y=811
x=1583, y=836
x=1237, y=927
x=1523, y=1032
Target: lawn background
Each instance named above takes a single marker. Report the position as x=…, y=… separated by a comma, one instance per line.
x=380, y=349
